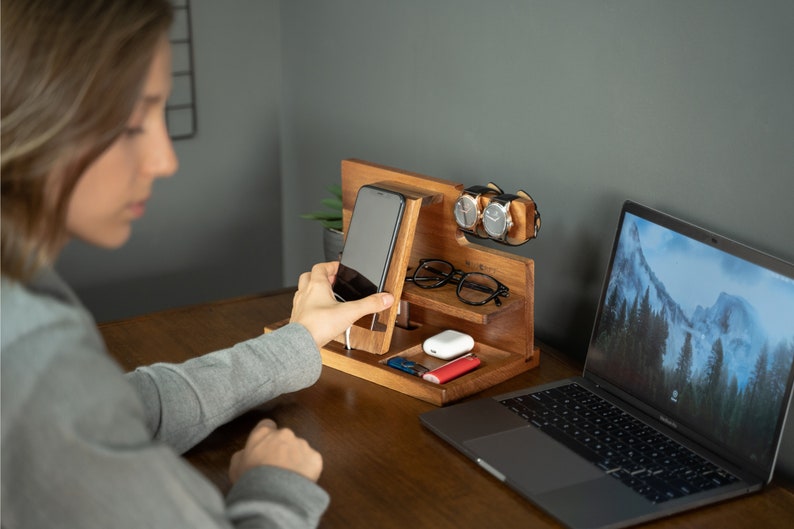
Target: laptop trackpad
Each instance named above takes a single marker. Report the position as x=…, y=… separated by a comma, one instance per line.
x=532, y=461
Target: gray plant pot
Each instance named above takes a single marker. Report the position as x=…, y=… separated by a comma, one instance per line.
x=333, y=242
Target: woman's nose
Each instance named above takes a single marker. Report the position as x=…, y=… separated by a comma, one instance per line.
x=162, y=160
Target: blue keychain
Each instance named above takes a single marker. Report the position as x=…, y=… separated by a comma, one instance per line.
x=409, y=366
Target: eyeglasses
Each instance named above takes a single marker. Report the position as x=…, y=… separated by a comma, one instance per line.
x=474, y=288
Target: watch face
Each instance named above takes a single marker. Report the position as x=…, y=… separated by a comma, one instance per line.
x=466, y=212
x=495, y=220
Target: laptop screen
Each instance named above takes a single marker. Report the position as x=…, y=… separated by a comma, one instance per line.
x=701, y=329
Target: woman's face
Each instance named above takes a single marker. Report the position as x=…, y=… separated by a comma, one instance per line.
x=114, y=189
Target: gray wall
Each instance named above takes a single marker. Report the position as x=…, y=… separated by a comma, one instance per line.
x=684, y=105
x=213, y=230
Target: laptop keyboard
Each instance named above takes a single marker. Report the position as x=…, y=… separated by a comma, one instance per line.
x=624, y=447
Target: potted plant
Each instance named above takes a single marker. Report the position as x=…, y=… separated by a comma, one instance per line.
x=331, y=219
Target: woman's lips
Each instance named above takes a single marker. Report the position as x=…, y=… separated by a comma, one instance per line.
x=138, y=209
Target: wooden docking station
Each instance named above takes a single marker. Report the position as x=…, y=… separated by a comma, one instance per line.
x=504, y=335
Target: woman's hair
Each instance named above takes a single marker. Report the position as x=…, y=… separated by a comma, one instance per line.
x=72, y=72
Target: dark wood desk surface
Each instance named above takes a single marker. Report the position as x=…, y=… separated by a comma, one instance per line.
x=381, y=467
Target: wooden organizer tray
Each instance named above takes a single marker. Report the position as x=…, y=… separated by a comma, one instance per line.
x=504, y=336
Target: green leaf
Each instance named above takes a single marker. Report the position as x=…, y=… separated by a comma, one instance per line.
x=336, y=190
x=333, y=224
x=331, y=218
x=332, y=203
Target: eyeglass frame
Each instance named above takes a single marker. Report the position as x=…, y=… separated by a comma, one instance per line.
x=458, y=277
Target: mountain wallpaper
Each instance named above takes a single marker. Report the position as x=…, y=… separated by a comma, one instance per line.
x=717, y=360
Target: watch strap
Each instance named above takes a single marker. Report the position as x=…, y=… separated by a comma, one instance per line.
x=505, y=198
x=483, y=190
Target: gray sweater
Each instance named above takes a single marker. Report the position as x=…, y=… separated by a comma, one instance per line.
x=86, y=446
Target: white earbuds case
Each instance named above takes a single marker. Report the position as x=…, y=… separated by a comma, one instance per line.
x=448, y=344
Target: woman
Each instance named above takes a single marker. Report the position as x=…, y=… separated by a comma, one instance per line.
x=84, y=86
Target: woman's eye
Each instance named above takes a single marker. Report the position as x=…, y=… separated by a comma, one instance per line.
x=133, y=131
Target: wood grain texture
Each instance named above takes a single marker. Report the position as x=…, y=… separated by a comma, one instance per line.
x=381, y=467
x=504, y=334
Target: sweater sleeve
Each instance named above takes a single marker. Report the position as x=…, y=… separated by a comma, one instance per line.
x=185, y=402
x=77, y=444
x=281, y=497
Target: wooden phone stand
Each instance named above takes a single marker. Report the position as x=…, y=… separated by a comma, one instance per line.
x=504, y=335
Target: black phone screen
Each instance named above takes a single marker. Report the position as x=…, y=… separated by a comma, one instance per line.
x=369, y=243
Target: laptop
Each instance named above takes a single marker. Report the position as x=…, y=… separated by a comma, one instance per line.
x=684, y=394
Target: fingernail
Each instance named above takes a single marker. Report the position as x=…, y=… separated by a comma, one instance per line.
x=388, y=299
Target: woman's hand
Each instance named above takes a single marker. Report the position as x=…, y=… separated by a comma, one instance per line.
x=315, y=307
x=271, y=446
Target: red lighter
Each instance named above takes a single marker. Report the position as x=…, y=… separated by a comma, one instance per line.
x=453, y=369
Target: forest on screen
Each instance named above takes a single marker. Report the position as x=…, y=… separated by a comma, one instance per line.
x=713, y=370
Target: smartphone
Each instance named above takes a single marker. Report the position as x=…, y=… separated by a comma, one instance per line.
x=369, y=243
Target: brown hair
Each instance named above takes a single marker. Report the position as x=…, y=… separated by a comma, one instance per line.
x=72, y=71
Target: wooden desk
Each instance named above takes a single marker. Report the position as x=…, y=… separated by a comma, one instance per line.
x=382, y=468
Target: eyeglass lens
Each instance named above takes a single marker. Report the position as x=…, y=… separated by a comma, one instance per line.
x=473, y=287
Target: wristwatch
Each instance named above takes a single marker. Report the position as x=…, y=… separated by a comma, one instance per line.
x=468, y=211
x=496, y=219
